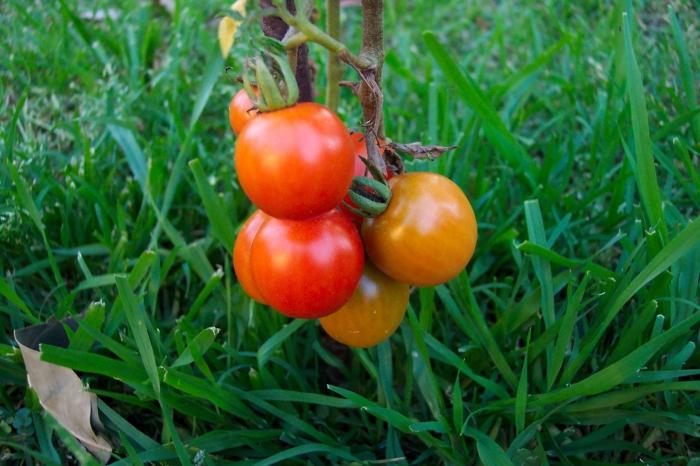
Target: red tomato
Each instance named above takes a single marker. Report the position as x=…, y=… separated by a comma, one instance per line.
x=241, y=254
x=427, y=234
x=373, y=313
x=240, y=111
x=295, y=163
x=307, y=268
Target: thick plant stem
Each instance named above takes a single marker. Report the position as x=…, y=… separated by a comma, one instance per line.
x=370, y=89
x=333, y=70
x=310, y=32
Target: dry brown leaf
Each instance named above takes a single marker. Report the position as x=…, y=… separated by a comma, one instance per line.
x=59, y=389
x=419, y=151
x=228, y=27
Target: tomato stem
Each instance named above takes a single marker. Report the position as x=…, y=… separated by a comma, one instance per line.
x=274, y=93
x=313, y=33
x=370, y=196
x=333, y=69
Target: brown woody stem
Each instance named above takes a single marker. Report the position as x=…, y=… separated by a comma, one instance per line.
x=314, y=34
x=370, y=89
x=333, y=69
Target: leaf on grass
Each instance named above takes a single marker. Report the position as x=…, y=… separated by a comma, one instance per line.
x=199, y=344
x=59, y=389
x=228, y=27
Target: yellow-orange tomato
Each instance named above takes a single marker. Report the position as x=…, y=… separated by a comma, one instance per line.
x=428, y=233
x=373, y=313
x=241, y=254
x=240, y=111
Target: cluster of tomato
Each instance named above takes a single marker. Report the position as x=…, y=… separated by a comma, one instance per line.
x=303, y=251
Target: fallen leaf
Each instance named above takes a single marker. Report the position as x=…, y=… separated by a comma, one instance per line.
x=59, y=389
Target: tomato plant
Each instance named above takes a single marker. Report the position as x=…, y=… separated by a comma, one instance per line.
x=427, y=234
x=296, y=162
x=360, y=152
x=240, y=111
x=307, y=268
x=373, y=313
x=241, y=254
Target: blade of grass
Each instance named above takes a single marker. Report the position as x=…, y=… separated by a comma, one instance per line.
x=134, y=155
x=10, y=294
x=307, y=449
x=646, y=180
x=485, y=336
x=202, y=341
x=137, y=323
x=568, y=321
x=494, y=128
x=688, y=81
x=616, y=373
x=683, y=243
x=489, y=451
x=271, y=344
x=218, y=216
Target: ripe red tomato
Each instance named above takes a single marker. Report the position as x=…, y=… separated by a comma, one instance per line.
x=373, y=313
x=296, y=162
x=240, y=111
x=241, y=254
x=307, y=268
x=427, y=234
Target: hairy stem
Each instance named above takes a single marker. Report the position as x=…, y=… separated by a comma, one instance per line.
x=333, y=69
x=314, y=34
x=370, y=89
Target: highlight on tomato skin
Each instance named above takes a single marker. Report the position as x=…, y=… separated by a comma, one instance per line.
x=307, y=268
x=428, y=233
x=241, y=254
x=373, y=313
x=240, y=111
x=296, y=162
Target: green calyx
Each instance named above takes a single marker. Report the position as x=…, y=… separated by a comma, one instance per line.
x=276, y=84
x=370, y=196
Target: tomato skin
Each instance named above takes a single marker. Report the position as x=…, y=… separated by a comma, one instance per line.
x=428, y=233
x=307, y=268
x=296, y=162
x=373, y=313
x=241, y=254
x=240, y=111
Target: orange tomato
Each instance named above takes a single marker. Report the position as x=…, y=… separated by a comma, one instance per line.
x=428, y=233
x=240, y=111
x=373, y=313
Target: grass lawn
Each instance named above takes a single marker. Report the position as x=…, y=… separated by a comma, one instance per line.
x=570, y=339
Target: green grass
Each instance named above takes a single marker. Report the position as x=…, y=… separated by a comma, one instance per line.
x=570, y=339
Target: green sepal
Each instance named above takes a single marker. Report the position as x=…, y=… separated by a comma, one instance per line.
x=371, y=197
